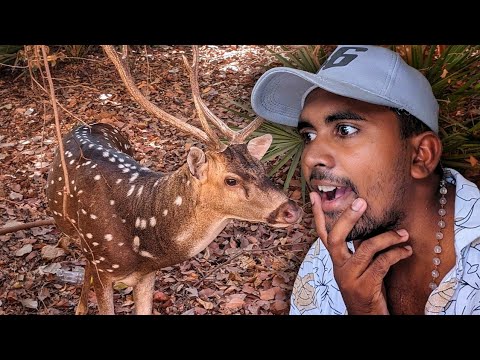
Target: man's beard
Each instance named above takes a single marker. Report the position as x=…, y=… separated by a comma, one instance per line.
x=369, y=225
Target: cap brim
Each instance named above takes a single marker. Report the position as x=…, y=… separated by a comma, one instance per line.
x=279, y=94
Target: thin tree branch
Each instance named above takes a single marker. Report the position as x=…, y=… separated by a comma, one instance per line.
x=26, y=226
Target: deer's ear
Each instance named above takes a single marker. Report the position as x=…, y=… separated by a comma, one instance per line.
x=258, y=146
x=197, y=163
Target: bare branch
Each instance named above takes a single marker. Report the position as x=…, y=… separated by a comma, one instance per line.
x=26, y=226
x=57, y=128
x=127, y=79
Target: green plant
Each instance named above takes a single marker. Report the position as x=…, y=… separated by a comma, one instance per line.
x=9, y=53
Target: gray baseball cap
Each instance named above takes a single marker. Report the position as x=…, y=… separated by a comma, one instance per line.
x=368, y=73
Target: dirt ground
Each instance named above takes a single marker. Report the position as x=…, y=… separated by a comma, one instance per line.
x=232, y=276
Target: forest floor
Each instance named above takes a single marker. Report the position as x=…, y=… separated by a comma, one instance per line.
x=249, y=269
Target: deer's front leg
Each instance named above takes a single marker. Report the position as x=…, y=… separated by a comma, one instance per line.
x=143, y=294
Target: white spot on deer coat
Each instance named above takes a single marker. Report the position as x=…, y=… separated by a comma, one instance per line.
x=52, y=182
x=79, y=192
x=120, y=244
x=111, y=159
x=88, y=163
x=146, y=254
x=156, y=182
x=89, y=235
x=131, y=190
x=106, y=154
x=143, y=224
x=94, y=166
x=71, y=162
x=73, y=182
x=137, y=222
x=94, y=217
x=134, y=177
x=140, y=190
x=97, y=177
x=125, y=170
x=108, y=237
x=100, y=270
x=84, y=212
x=109, y=270
x=153, y=221
x=101, y=258
x=112, y=202
x=95, y=243
x=115, y=266
x=118, y=181
x=178, y=201
x=136, y=243
x=165, y=212
x=60, y=178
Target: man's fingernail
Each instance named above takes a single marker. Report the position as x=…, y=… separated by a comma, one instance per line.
x=312, y=198
x=357, y=204
x=402, y=232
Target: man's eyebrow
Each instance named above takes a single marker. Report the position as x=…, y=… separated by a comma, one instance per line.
x=302, y=123
x=343, y=115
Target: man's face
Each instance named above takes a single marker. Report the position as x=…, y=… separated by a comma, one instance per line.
x=354, y=149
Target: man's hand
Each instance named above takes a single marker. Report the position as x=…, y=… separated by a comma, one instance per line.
x=360, y=275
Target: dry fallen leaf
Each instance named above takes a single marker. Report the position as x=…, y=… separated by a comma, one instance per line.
x=473, y=161
x=29, y=303
x=25, y=249
x=235, y=303
x=50, y=252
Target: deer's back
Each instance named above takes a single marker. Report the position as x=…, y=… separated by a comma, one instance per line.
x=101, y=203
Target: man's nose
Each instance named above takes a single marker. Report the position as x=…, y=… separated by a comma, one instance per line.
x=318, y=154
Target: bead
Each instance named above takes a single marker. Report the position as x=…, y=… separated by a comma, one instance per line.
x=435, y=274
x=436, y=261
x=443, y=190
x=443, y=201
x=437, y=249
x=441, y=223
x=442, y=212
x=439, y=236
x=432, y=286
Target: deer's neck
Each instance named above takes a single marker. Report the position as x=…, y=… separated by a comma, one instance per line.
x=181, y=220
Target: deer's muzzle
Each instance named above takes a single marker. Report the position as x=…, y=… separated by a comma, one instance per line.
x=286, y=214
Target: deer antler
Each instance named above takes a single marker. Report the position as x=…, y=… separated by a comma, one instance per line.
x=234, y=137
x=208, y=136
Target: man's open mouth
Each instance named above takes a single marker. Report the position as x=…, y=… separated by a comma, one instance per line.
x=330, y=192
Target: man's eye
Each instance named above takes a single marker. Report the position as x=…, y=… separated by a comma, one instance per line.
x=308, y=136
x=346, y=130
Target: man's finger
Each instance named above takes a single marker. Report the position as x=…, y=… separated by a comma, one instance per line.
x=366, y=251
x=319, y=216
x=336, y=244
x=384, y=261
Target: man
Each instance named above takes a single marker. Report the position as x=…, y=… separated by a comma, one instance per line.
x=399, y=235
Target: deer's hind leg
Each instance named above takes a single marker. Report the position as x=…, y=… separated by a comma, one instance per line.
x=104, y=292
x=82, y=307
x=143, y=294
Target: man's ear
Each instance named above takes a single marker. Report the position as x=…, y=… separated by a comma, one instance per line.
x=427, y=151
x=258, y=146
x=197, y=163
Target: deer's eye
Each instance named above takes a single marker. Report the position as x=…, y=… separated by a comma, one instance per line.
x=231, y=182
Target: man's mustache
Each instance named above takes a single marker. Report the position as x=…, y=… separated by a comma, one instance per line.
x=340, y=181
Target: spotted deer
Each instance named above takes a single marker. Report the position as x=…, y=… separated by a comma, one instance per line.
x=130, y=221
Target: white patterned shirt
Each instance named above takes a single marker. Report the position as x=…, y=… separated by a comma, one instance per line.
x=316, y=292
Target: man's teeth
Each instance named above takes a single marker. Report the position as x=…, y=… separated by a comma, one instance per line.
x=326, y=188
